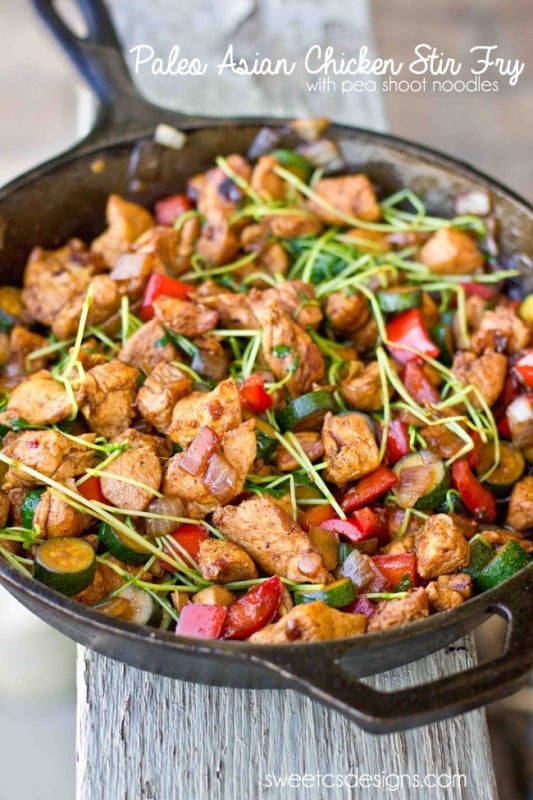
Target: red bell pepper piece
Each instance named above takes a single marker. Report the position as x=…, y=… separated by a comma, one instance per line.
x=369, y=488
x=477, y=498
x=91, y=489
x=482, y=290
x=348, y=528
x=361, y=605
x=504, y=428
x=254, y=396
x=190, y=537
x=398, y=444
x=395, y=567
x=316, y=516
x=524, y=367
x=201, y=621
x=168, y=210
x=474, y=456
x=253, y=610
x=418, y=384
x=159, y=285
x=409, y=328
x=366, y=521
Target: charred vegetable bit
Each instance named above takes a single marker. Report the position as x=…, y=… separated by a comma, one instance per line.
x=278, y=408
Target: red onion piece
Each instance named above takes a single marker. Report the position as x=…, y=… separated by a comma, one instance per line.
x=165, y=506
x=196, y=457
x=221, y=478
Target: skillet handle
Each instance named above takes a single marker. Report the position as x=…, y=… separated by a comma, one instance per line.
x=98, y=58
x=384, y=712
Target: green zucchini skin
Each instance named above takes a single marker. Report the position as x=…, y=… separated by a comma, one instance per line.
x=66, y=564
x=481, y=553
x=116, y=545
x=336, y=595
x=29, y=506
x=307, y=412
x=436, y=496
x=509, y=471
x=507, y=561
x=143, y=609
x=399, y=299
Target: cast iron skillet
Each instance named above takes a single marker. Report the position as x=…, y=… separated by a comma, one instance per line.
x=65, y=198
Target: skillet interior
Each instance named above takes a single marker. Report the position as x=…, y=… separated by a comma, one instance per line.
x=67, y=197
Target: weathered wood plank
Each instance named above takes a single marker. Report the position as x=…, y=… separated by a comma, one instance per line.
x=144, y=737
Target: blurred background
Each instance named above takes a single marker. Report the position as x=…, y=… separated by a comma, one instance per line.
x=44, y=108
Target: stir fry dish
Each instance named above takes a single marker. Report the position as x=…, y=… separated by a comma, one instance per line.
x=279, y=407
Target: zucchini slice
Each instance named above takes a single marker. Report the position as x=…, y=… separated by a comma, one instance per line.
x=399, y=298
x=120, y=546
x=265, y=439
x=66, y=564
x=294, y=162
x=442, y=335
x=307, y=412
x=335, y=595
x=29, y=505
x=510, y=559
x=423, y=481
x=133, y=604
x=507, y=473
x=481, y=553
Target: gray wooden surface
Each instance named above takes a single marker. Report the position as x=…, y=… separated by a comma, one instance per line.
x=142, y=737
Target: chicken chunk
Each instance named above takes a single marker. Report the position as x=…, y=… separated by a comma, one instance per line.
x=51, y=282
x=520, y=513
x=310, y=442
x=22, y=343
x=148, y=347
x=347, y=312
x=442, y=598
x=392, y=613
x=126, y=222
x=264, y=180
x=218, y=242
x=54, y=517
x=105, y=301
x=297, y=298
x=40, y=400
x=107, y=396
x=486, y=373
x=169, y=250
x=48, y=452
x=5, y=506
x=350, y=195
x=451, y=252
x=362, y=388
x=216, y=194
x=160, y=392
x=288, y=350
x=311, y=622
x=272, y=538
x=234, y=310
x=441, y=440
x=221, y=561
x=502, y=330
x=220, y=410
x=290, y=226
x=350, y=448
x=440, y=547
x=141, y=465
x=181, y=316
x=461, y=582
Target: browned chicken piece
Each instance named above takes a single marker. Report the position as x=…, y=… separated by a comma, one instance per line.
x=297, y=298
x=162, y=389
x=95, y=592
x=141, y=465
x=349, y=195
x=169, y=250
x=440, y=547
x=501, y=537
x=366, y=337
x=289, y=350
x=51, y=282
x=442, y=598
x=451, y=252
x=105, y=302
x=237, y=449
x=221, y=561
x=289, y=226
x=311, y=622
x=405, y=544
x=47, y=452
x=486, y=372
x=264, y=180
x=215, y=193
x=23, y=343
x=218, y=242
x=107, y=397
x=350, y=447
x=40, y=400
x=148, y=347
x=393, y=613
x=475, y=308
x=502, y=329
x=272, y=538
x=362, y=389
x=5, y=506
x=219, y=409
x=310, y=442
x=369, y=241
x=54, y=517
x=126, y=222
x=520, y=512
x=181, y=316
x=461, y=582
x=211, y=596
x=347, y=312
x=211, y=361
x=441, y=440
x=234, y=310
x=135, y=439
x=274, y=259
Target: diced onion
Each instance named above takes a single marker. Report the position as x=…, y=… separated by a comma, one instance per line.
x=264, y=143
x=166, y=507
x=167, y=136
x=131, y=265
x=360, y=569
x=311, y=128
x=474, y=201
x=520, y=418
x=220, y=478
x=195, y=459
